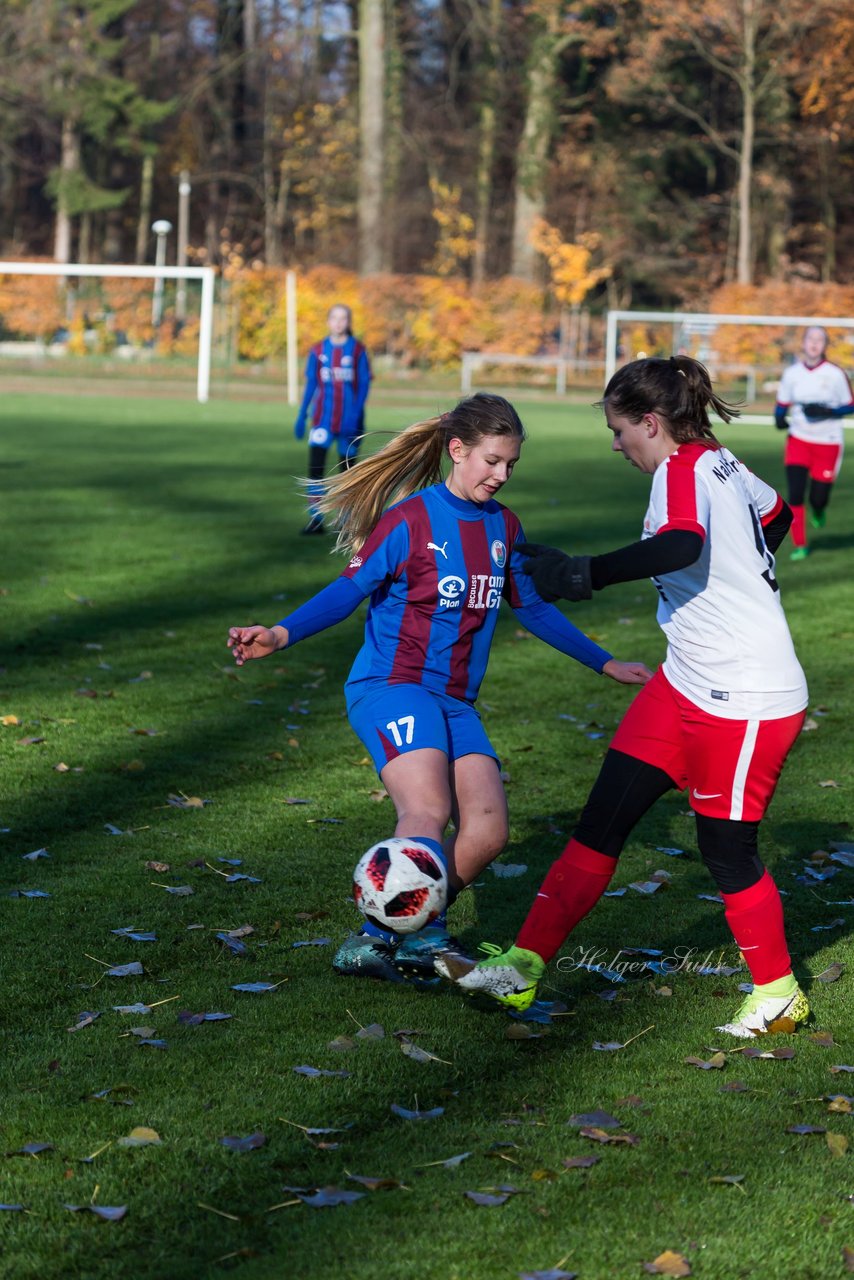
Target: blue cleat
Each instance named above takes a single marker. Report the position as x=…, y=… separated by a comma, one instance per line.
x=363, y=956
x=415, y=955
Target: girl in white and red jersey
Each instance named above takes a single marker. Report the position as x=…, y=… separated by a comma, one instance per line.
x=814, y=394
x=720, y=715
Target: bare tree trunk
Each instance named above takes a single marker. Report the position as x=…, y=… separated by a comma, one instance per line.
x=486, y=150
x=144, y=221
x=748, y=133
x=69, y=165
x=371, y=135
x=533, y=151
x=393, y=163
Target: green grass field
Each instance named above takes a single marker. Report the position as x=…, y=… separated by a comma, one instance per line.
x=135, y=532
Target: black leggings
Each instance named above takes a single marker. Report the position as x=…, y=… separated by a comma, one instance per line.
x=627, y=788
x=797, y=478
x=317, y=462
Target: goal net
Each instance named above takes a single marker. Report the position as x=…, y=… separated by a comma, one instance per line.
x=744, y=354
x=118, y=317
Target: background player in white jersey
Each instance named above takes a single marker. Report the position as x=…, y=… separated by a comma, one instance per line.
x=436, y=566
x=814, y=394
x=720, y=715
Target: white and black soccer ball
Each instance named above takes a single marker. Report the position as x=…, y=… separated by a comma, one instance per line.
x=400, y=884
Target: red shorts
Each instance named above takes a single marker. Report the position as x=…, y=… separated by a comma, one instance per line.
x=821, y=460
x=730, y=767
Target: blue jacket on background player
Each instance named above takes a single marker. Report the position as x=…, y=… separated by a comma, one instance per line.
x=337, y=382
x=436, y=566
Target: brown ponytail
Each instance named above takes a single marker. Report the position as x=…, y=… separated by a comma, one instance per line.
x=678, y=388
x=412, y=460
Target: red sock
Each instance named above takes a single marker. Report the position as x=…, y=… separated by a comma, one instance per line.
x=573, y=886
x=799, y=525
x=755, y=916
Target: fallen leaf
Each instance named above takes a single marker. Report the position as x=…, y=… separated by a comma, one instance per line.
x=580, y=1162
x=829, y=782
x=824, y=1038
x=35, y=855
x=10, y=720
x=257, y=988
x=32, y=1149
x=840, y=1106
x=109, y=1213
x=831, y=973
x=485, y=1200
x=595, y=1134
x=250, y=1143
x=554, y=1273
x=837, y=1143
x=406, y=1114
x=734, y=1086
x=140, y=1137
x=326, y=1197
x=341, y=1044
x=805, y=1128
x=160, y=867
x=599, y=1118
x=508, y=870
x=377, y=1184
x=186, y=802
x=28, y=893
x=374, y=1031
x=152, y=1044
x=312, y=942
x=195, y=1019
x=84, y=1020
x=782, y=1053
x=179, y=890
x=133, y=969
x=668, y=1263
x=728, y=1179
x=62, y=767
x=715, y=1063
x=520, y=1031
x=29, y=742
x=420, y=1055
x=134, y=935
x=847, y=1255
x=378, y=795
x=317, y=1071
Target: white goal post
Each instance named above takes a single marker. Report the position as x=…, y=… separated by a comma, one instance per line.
x=205, y=274
x=705, y=321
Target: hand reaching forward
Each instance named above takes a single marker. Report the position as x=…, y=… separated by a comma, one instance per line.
x=255, y=642
x=627, y=672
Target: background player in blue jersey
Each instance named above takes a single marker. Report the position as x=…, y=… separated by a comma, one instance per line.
x=337, y=381
x=436, y=567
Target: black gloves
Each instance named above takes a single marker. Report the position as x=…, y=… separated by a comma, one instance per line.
x=780, y=420
x=555, y=575
x=815, y=412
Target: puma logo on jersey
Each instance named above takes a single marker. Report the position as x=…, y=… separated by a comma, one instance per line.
x=433, y=546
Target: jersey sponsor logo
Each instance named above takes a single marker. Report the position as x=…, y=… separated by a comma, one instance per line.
x=450, y=589
x=498, y=552
x=434, y=546
x=485, y=590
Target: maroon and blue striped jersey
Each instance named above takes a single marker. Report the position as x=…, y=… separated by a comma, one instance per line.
x=437, y=568
x=337, y=380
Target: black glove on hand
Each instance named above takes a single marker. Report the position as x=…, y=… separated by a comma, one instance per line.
x=815, y=412
x=555, y=575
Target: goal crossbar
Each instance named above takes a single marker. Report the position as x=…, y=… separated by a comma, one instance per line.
x=207, y=276
x=707, y=317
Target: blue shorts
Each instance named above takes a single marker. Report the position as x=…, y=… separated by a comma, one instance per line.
x=393, y=719
x=322, y=438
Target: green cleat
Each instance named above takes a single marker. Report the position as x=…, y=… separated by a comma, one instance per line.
x=799, y=553
x=760, y=1010
x=818, y=519
x=510, y=977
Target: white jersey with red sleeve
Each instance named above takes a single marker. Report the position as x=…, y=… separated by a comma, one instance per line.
x=728, y=644
x=826, y=384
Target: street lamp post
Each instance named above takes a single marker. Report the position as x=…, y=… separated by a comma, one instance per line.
x=161, y=229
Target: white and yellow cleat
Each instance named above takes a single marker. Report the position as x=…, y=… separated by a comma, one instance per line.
x=765, y=1007
x=510, y=977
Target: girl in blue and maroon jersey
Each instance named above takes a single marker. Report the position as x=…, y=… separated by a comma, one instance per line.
x=436, y=566
x=337, y=381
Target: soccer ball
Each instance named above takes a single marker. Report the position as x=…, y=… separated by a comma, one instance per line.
x=400, y=884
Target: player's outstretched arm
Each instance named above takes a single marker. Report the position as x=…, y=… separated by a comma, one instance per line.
x=627, y=672
x=255, y=642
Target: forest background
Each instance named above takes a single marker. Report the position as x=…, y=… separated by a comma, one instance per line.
x=466, y=172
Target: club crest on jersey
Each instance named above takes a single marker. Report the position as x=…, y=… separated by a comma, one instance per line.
x=355, y=563
x=498, y=552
